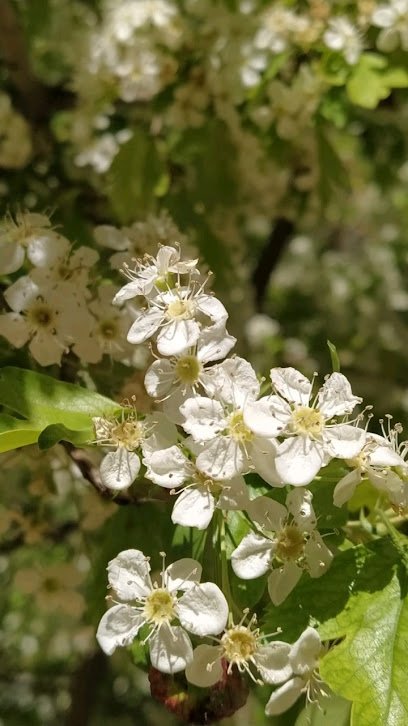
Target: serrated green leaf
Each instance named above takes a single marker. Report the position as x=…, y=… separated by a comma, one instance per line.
x=44, y=400
x=237, y=526
x=370, y=666
x=321, y=601
x=334, y=357
x=372, y=80
x=15, y=432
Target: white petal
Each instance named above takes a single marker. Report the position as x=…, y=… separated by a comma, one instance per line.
x=164, y=434
x=299, y=459
x=170, y=649
x=172, y=404
x=194, y=508
x=234, y=380
x=214, y=343
x=292, y=385
x=299, y=504
x=345, y=441
x=159, y=378
x=108, y=236
x=383, y=16
x=21, y=293
x=267, y=417
x=14, y=327
x=119, y=626
x=46, y=349
x=177, y=336
x=272, y=661
x=203, y=610
x=48, y=251
x=383, y=453
x=263, y=454
x=222, y=458
x=318, y=556
x=209, y=305
x=204, y=418
x=182, y=574
x=304, y=654
x=252, y=557
x=119, y=469
x=11, y=257
x=205, y=669
x=128, y=574
x=168, y=467
x=234, y=494
x=345, y=488
x=336, y=397
x=166, y=257
x=129, y=291
x=284, y=697
x=282, y=581
x=268, y=513
x=145, y=326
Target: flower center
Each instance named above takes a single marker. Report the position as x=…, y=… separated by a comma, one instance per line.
x=128, y=434
x=239, y=644
x=159, y=606
x=180, y=310
x=40, y=315
x=290, y=543
x=188, y=369
x=108, y=329
x=307, y=421
x=237, y=428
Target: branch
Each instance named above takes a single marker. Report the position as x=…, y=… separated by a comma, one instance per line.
x=269, y=258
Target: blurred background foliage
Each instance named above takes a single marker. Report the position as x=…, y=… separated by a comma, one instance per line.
x=281, y=155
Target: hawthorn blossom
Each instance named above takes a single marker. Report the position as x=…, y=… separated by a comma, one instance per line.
x=177, y=316
x=60, y=266
x=227, y=446
x=152, y=274
x=178, y=378
x=286, y=542
x=26, y=232
x=312, y=436
x=196, y=502
x=382, y=461
x=392, y=17
x=201, y=610
x=241, y=646
x=39, y=316
x=343, y=36
x=304, y=656
x=127, y=435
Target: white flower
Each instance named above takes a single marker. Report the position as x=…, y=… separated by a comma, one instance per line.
x=176, y=316
x=311, y=439
x=241, y=646
x=119, y=468
x=41, y=317
x=228, y=447
x=304, y=658
x=344, y=36
x=176, y=379
x=288, y=539
x=201, y=609
x=27, y=231
x=154, y=273
x=382, y=461
x=170, y=468
x=393, y=18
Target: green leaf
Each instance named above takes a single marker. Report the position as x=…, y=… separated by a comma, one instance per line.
x=44, y=400
x=372, y=80
x=246, y=593
x=15, y=432
x=334, y=357
x=55, y=433
x=370, y=666
x=321, y=602
x=325, y=712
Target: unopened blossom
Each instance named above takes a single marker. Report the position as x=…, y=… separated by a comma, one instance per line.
x=27, y=232
x=177, y=317
x=343, y=36
x=392, y=17
x=304, y=657
x=127, y=436
x=200, y=495
x=382, y=462
x=201, y=609
x=175, y=379
x=41, y=318
x=153, y=273
x=287, y=542
x=227, y=446
x=312, y=435
x=244, y=647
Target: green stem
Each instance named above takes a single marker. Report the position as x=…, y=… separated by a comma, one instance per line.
x=225, y=584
